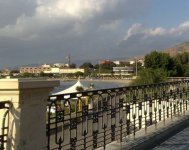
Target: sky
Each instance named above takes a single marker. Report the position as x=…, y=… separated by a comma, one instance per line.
x=47, y=31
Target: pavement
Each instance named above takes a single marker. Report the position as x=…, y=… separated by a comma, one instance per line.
x=180, y=141
x=172, y=134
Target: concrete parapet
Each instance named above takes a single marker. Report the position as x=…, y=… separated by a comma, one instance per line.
x=27, y=123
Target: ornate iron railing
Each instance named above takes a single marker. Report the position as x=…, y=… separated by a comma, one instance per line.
x=4, y=108
x=92, y=119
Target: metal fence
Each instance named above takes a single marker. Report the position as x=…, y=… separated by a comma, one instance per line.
x=92, y=119
x=4, y=108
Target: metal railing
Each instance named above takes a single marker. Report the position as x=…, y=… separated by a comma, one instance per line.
x=4, y=105
x=92, y=119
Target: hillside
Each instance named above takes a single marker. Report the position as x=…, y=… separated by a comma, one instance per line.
x=180, y=48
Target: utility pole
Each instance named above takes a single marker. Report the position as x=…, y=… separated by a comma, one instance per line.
x=69, y=60
x=99, y=69
x=136, y=67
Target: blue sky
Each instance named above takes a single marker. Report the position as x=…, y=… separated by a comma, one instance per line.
x=167, y=13
x=46, y=31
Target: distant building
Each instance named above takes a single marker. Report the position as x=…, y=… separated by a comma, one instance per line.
x=71, y=70
x=139, y=60
x=117, y=62
x=33, y=70
x=123, y=70
x=60, y=65
x=103, y=62
x=54, y=70
x=5, y=72
x=50, y=69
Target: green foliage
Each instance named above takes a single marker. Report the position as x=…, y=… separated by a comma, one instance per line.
x=157, y=60
x=150, y=76
x=88, y=68
x=15, y=71
x=186, y=70
x=28, y=75
x=183, y=58
x=72, y=65
x=79, y=88
x=108, y=71
x=160, y=65
x=108, y=66
x=42, y=74
x=86, y=65
x=78, y=74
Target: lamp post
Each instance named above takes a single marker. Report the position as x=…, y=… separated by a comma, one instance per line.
x=136, y=67
x=99, y=69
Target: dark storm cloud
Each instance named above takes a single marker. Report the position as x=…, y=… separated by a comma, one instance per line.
x=10, y=10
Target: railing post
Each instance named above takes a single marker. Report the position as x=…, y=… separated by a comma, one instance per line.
x=27, y=123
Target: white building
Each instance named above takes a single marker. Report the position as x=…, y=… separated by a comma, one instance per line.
x=117, y=62
x=123, y=70
x=71, y=70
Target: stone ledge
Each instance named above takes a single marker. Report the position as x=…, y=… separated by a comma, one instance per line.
x=14, y=84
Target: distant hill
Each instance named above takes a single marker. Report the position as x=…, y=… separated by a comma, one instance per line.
x=177, y=49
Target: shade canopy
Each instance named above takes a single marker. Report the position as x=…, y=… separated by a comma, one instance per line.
x=72, y=89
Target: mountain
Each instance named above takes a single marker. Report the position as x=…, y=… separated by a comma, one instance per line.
x=177, y=49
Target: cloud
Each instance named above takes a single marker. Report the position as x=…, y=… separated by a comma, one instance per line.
x=39, y=31
x=140, y=39
x=69, y=16
x=47, y=30
x=11, y=10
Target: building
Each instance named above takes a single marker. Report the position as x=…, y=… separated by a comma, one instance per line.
x=123, y=70
x=104, y=62
x=117, y=62
x=33, y=70
x=60, y=65
x=47, y=69
x=71, y=70
x=5, y=72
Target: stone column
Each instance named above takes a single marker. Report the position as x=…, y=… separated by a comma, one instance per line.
x=27, y=123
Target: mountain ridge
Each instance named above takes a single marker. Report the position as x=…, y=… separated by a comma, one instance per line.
x=177, y=49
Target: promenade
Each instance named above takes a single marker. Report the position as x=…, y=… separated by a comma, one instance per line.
x=173, y=134
x=180, y=141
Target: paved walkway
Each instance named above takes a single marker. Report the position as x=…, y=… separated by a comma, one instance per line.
x=176, y=128
x=180, y=141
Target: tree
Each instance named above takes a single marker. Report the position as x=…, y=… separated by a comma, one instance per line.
x=77, y=74
x=150, y=76
x=13, y=72
x=86, y=65
x=157, y=60
x=108, y=66
x=27, y=75
x=79, y=88
x=72, y=65
x=183, y=58
x=42, y=74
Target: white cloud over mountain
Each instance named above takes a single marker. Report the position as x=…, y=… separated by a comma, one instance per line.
x=144, y=39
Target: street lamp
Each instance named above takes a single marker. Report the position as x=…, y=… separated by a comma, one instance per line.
x=136, y=67
x=99, y=69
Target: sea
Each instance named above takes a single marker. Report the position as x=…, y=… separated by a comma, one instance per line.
x=97, y=84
